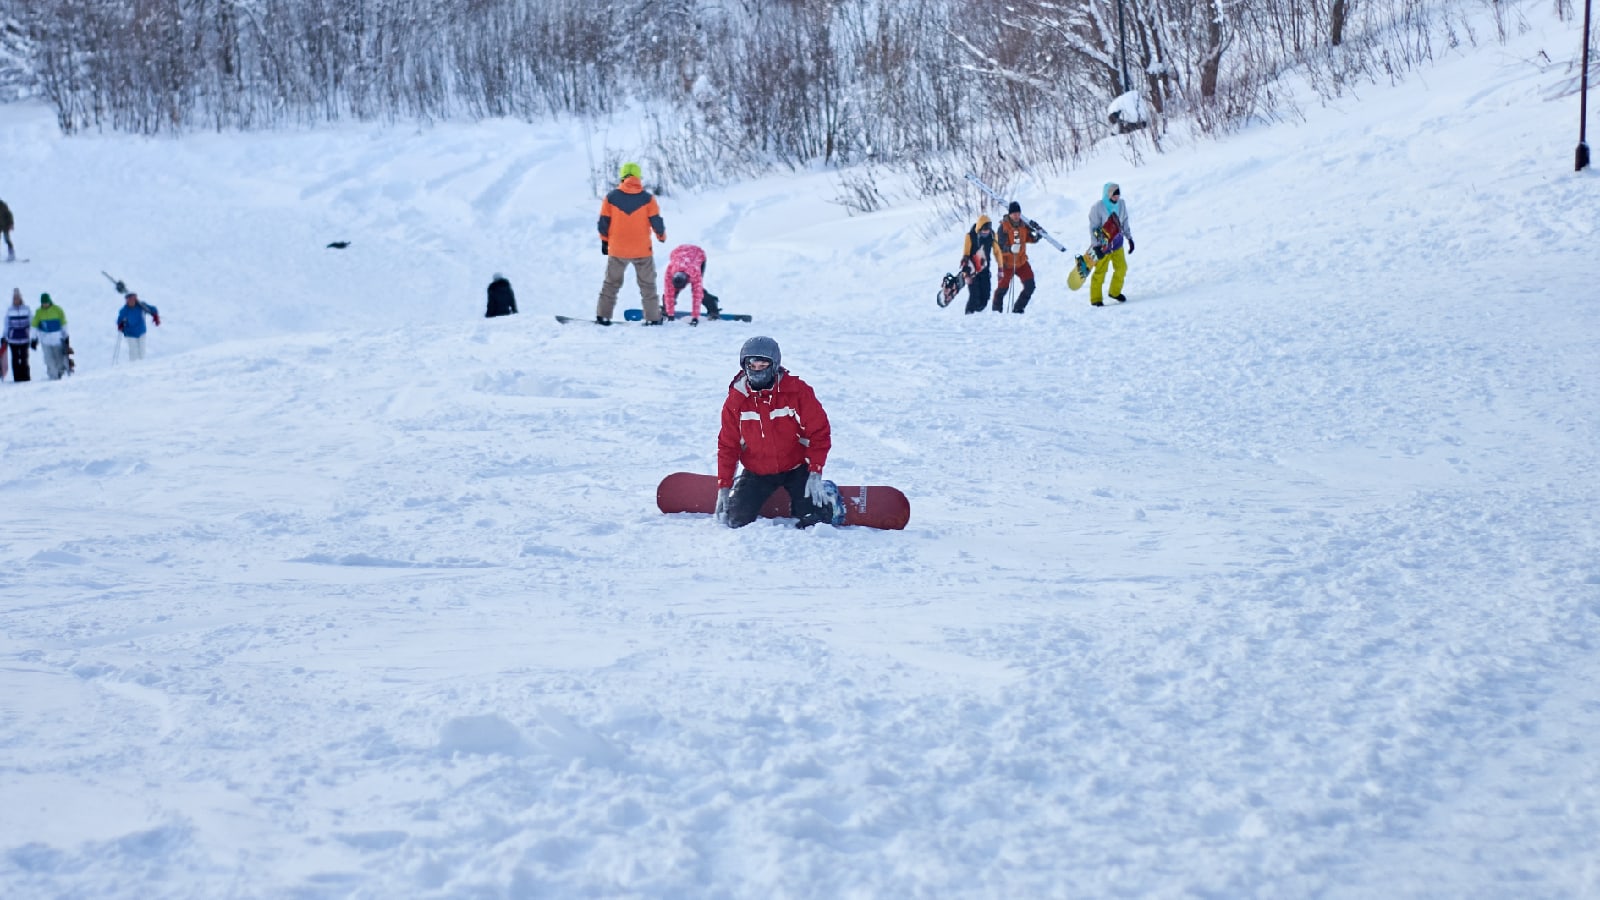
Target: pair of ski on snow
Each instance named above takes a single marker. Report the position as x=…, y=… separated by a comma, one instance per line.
x=637, y=315
x=1083, y=264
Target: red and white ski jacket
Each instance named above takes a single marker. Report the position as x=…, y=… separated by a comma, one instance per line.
x=691, y=261
x=771, y=431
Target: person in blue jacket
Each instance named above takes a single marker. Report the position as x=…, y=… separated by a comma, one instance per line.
x=130, y=321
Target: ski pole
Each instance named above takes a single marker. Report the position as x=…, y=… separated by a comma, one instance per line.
x=116, y=352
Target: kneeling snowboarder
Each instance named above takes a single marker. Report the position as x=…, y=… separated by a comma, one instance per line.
x=773, y=425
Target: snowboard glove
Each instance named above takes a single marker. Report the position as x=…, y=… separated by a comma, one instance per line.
x=815, y=492
x=156, y=317
x=34, y=343
x=605, y=248
x=722, y=505
x=1130, y=245
x=694, y=322
x=121, y=325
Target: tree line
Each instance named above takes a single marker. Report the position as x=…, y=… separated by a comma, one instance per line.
x=734, y=87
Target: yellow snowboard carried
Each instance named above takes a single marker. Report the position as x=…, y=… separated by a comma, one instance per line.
x=1085, y=264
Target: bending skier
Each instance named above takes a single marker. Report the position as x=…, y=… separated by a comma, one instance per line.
x=686, y=268
x=773, y=425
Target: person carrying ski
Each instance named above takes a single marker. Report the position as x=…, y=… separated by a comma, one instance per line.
x=6, y=224
x=1111, y=211
x=686, y=268
x=628, y=218
x=773, y=425
x=1012, y=240
x=50, y=327
x=977, y=261
x=502, y=301
x=130, y=321
x=18, y=335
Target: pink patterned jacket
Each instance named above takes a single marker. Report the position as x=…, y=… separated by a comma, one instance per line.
x=690, y=260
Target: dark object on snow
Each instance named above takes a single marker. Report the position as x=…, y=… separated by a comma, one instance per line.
x=339, y=245
x=502, y=301
x=7, y=222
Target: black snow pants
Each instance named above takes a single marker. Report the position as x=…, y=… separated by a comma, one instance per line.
x=750, y=492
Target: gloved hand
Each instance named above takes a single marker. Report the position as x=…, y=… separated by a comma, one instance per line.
x=122, y=288
x=815, y=492
x=722, y=505
x=694, y=322
x=121, y=325
x=605, y=248
x=1130, y=245
x=34, y=343
x=156, y=317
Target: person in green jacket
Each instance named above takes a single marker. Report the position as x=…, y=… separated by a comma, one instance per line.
x=50, y=332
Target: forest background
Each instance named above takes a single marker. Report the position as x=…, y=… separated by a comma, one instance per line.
x=920, y=91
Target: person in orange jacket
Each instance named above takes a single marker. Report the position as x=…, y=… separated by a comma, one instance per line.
x=1012, y=241
x=628, y=218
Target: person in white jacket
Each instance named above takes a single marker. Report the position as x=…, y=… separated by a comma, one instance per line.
x=17, y=335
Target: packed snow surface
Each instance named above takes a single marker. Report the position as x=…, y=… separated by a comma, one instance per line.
x=1280, y=580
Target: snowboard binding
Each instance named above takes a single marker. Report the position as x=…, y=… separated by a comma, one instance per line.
x=948, y=290
x=835, y=502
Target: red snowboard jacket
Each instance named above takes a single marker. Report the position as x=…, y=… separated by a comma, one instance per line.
x=771, y=431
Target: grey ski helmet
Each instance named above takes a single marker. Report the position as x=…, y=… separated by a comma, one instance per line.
x=760, y=348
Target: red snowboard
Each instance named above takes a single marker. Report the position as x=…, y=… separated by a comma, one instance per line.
x=875, y=506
